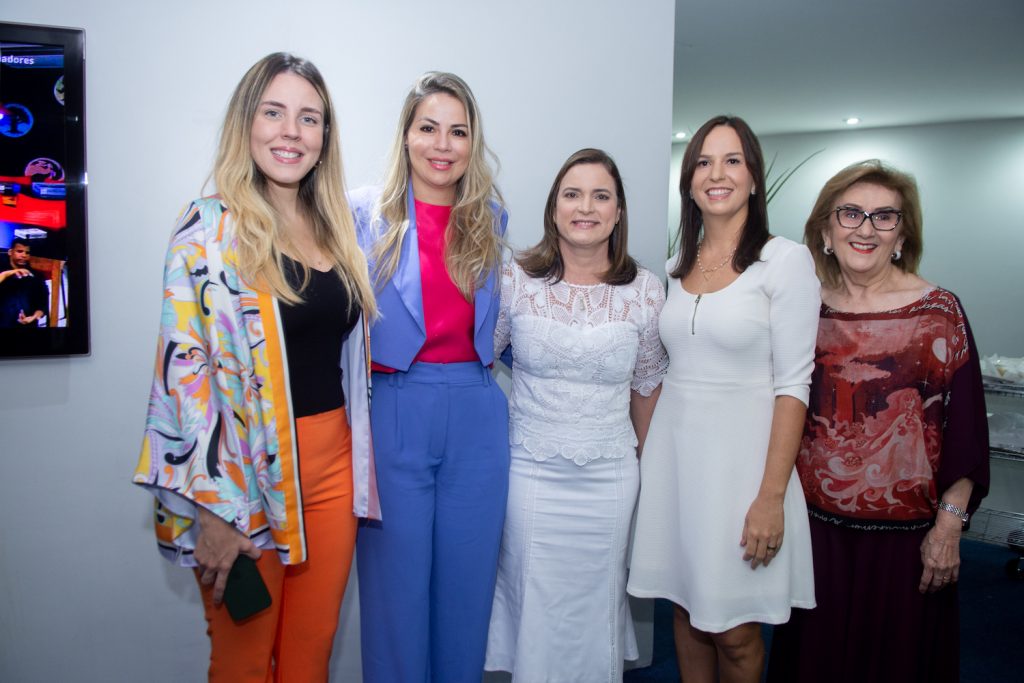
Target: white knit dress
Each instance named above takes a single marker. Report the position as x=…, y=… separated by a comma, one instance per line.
x=732, y=353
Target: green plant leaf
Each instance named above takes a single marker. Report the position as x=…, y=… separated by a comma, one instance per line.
x=775, y=185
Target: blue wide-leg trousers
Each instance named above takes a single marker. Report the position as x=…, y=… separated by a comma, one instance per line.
x=427, y=570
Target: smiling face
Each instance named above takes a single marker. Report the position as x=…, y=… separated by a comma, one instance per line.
x=865, y=250
x=439, y=148
x=287, y=132
x=587, y=208
x=722, y=184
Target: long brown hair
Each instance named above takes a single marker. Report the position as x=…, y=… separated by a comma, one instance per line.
x=755, y=230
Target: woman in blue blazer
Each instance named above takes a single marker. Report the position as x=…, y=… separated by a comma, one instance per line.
x=433, y=237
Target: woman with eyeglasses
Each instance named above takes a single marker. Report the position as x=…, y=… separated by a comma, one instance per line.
x=894, y=456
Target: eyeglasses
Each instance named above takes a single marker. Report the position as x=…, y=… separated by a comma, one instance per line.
x=884, y=220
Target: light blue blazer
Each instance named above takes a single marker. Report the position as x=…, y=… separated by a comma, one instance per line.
x=400, y=331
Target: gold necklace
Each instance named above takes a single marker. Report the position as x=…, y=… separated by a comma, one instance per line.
x=707, y=274
x=310, y=253
x=319, y=262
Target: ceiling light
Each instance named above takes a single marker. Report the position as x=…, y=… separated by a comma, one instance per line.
x=852, y=121
x=680, y=136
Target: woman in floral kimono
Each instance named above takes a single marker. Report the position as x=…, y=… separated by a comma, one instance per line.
x=257, y=443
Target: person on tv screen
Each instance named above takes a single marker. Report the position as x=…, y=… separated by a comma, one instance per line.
x=23, y=292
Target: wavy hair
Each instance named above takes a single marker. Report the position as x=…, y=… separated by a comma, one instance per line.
x=755, y=231
x=544, y=260
x=473, y=246
x=260, y=235
x=875, y=172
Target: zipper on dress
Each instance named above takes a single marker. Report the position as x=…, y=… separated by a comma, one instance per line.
x=693, y=320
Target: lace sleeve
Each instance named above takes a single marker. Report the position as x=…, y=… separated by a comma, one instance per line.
x=651, y=358
x=503, y=328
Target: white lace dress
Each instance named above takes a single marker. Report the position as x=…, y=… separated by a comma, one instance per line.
x=560, y=610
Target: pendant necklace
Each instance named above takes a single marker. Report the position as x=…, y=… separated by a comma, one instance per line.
x=317, y=261
x=707, y=274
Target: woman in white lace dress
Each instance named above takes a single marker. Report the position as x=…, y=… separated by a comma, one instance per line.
x=582, y=321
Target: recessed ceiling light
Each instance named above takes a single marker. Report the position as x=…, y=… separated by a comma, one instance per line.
x=680, y=136
x=852, y=121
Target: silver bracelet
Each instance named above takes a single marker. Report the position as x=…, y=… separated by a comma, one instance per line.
x=954, y=510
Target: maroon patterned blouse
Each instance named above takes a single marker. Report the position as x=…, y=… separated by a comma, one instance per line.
x=896, y=415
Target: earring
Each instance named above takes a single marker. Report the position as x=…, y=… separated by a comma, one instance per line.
x=828, y=250
x=753, y=191
x=896, y=255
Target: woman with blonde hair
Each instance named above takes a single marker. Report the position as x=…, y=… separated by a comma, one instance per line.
x=433, y=234
x=265, y=289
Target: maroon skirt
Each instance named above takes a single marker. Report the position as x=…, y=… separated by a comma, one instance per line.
x=871, y=623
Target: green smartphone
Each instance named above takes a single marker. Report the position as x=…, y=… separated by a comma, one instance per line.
x=245, y=593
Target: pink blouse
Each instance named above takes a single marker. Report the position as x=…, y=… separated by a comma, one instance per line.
x=448, y=316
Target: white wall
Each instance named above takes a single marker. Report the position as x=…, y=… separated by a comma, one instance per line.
x=969, y=175
x=83, y=594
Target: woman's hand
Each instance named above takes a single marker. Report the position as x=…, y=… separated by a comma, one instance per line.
x=763, y=530
x=940, y=554
x=764, y=525
x=217, y=547
x=940, y=551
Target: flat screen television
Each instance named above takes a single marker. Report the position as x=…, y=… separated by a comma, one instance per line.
x=44, y=302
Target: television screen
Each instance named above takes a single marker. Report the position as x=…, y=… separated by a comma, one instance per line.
x=43, y=298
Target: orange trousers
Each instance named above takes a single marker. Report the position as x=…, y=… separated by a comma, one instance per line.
x=291, y=641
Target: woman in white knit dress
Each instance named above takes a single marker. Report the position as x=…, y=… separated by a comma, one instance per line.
x=582, y=320
x=722, y=526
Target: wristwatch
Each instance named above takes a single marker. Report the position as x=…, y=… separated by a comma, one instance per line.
x=954, y=510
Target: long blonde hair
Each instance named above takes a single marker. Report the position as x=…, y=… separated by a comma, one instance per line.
x=473, y=246
x=243, y=189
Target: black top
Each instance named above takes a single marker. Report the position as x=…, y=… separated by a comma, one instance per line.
x=25, y=295
x=313, y=333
